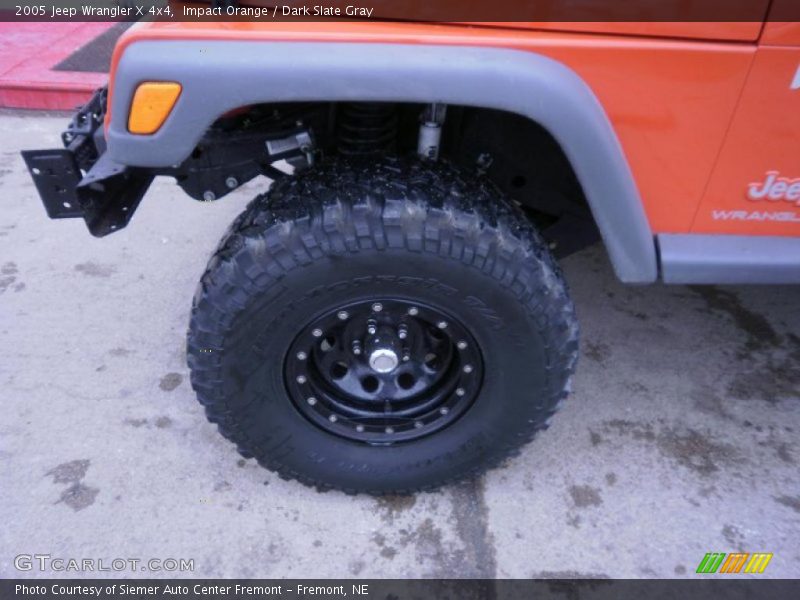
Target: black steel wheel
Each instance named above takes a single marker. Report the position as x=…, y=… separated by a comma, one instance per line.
x=383, y=371
x=381, y=328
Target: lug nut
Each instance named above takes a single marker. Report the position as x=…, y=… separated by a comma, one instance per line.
x=356, y=347
x=333, y=418
x=418, y=424
x=442, y=324
x=208, y=196
x=377, y=307
x=389, y=430
x=460, y=392
x=402, y=332
x=467, y=368
x=317, y=333
x=301, y=379
x=462, y=345
x=444, y=410
x=231, y=182
x=372, y=327
x=413, y=311
x=360, y=428
x=301, y=355
x=311, y=401
x=342, y=314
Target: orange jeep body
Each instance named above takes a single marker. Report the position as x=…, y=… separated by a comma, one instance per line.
x=681, y=135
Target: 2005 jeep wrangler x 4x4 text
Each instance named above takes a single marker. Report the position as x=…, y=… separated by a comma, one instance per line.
x=388, y=316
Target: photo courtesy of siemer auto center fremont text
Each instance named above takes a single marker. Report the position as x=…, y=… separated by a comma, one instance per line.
x=407, y=300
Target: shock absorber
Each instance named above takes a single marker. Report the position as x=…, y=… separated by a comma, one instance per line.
x=367, y=129
x=430, y=131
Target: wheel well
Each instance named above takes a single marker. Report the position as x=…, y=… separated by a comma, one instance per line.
x=520, y=156
x=526, y=162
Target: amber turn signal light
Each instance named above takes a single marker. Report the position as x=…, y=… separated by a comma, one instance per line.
x=152, y=103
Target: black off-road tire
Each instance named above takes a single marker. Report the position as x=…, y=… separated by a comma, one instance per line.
x=341, y=233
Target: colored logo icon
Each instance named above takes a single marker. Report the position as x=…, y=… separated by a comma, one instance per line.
x=737, y=562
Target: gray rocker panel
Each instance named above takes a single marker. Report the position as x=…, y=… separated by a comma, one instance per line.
x=220, y=76
x=691, y=258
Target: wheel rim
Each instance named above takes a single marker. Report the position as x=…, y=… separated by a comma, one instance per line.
x=383, y=371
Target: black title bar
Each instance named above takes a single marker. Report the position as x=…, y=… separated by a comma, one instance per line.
x=704, y=587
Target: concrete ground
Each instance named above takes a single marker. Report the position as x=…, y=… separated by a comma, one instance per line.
x=680, y=438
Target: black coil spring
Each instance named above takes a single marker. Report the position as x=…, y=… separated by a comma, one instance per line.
x=367, y=129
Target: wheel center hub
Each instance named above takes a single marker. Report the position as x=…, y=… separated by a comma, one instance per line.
x=383, y=360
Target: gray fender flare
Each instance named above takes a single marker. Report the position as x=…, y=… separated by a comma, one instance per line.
x=218, y=76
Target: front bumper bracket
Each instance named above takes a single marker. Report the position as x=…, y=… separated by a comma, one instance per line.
x=81, y=180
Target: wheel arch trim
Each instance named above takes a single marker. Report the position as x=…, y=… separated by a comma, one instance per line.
x=219, y=76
